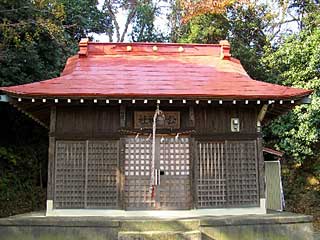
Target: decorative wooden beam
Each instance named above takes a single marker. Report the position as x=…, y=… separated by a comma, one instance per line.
x=262, y=113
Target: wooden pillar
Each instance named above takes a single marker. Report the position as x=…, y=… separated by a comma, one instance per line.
x=193, y=172
x=122, y=116
x=191, y=117
x=51, y=154
x=261, y=167
x=121, y=176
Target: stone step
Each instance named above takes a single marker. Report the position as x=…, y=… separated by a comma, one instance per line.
x=160, y=235
x=159, y=225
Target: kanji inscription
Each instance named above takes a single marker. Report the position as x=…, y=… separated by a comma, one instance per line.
x=144, y=119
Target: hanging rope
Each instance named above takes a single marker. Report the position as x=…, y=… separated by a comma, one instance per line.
x=154, y=127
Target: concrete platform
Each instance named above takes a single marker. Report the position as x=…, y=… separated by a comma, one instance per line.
x=37, y=226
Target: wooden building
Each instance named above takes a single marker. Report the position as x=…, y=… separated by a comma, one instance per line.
x=106, y=152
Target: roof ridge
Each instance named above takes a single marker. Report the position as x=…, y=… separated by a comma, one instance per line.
x=87, y=48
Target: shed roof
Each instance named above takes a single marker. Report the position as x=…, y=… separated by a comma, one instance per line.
x=127, y=70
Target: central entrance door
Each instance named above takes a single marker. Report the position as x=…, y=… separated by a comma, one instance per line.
x=172, y=164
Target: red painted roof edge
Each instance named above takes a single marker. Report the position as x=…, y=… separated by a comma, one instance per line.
x=165, y=96
x=273, y=151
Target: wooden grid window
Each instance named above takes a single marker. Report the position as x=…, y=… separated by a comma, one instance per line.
x=174, y=156
x=227, y=174
x=86, y=174
x=211, y=175
x=102, y=170
x=70, y=174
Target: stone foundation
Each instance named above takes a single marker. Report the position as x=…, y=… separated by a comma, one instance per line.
x=274, y=226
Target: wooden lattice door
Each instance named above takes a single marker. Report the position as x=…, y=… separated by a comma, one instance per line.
x=172, y=163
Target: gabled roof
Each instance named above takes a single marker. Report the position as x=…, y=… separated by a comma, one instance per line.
x=161, y=70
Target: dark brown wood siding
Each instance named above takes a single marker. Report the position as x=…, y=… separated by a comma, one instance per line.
x=87, y=121
x=216, y=119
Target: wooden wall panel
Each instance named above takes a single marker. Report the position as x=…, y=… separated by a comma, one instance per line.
x=87, y=121
x=213, y=119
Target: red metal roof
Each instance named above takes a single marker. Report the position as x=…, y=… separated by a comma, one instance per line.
x=142, y=70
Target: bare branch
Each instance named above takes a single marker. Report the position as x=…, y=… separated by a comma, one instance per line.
x=131, y=15
x=108, y=4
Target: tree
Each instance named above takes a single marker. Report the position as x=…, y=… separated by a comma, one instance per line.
x=143, y=23
x=248, y=35
x=297, y=63
x=245, y=26
x=33, y=43
x=83, y=17
x=196, y=8
x=139, y=15
x=36, y=37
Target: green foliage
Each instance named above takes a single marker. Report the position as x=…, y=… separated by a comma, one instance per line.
x=297, y=63
x=32, y=41
x=23, y=163
x=208, y=28
x=83, y=17
x=36, y=37
x=248, y=38
x=244, y=26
